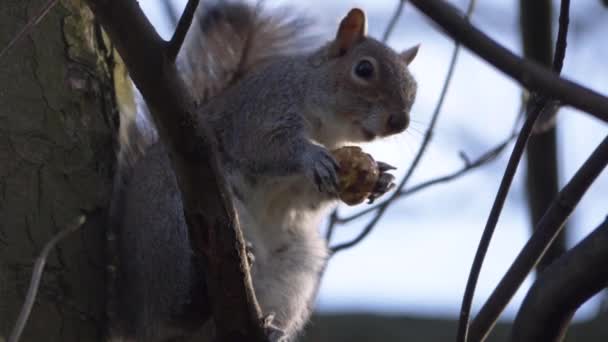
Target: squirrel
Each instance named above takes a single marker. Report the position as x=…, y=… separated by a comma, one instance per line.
x=277, y=108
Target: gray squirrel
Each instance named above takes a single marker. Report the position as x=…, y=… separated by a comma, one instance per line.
x=277, y=109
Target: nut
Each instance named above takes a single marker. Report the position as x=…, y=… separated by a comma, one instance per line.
x=357, y=176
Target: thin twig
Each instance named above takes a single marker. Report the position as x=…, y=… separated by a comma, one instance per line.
x=394, y=19
x=544, y=233
x=381, y=208
x=562, y=288
x=183, y=25
x=485, y=158
x=171, y=12
x=499, y=201
x=539, y=105
x=29, y=26
x=562, y=36
x=482, y=160
x=32, y=291
x=528, y=73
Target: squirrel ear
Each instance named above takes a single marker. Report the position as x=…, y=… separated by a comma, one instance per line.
x=408, y=55
x=353, y=29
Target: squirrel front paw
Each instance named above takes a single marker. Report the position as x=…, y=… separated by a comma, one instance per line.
x=385, y=182
x=361, y=177
x=322, y=169
x=250, y=255
x=274, y=333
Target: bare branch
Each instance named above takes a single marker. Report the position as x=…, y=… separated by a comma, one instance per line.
x=469, y=165
x=394, y=19
x=29, y=26
x=381, y=208
x=171, y=12
x=562, y=288
x=183, y=25
x=546, y=230
x=499, y=201
x=562, y=36
x=210, y=214
x=538, y=106
x=32, y=291
x=528, y=73
x=541, y=168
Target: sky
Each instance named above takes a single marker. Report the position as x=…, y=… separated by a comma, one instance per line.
x=416, y=261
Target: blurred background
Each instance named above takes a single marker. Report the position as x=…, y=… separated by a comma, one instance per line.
x=405, y=281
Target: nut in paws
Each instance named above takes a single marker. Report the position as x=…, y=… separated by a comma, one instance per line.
x=360, y=176
x=324, y=171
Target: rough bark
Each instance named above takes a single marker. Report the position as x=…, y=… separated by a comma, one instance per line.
x=57, y=125
x=541, y=154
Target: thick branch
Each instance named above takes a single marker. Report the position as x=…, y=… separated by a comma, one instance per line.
x=530, y=74
x=209, y=212
x=488, y=231
x=537, y=107
x=562, y=288
x=545, y=232
x=542, y=163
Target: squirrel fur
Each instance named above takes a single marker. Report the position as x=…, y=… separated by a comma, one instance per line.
x=276, y=108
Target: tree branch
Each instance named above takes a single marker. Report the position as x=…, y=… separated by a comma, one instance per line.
x=528, y=73
x=394, y=19
x=176, y=42
x=469, y=165
x=488, y=231
x=32, y=291
x=208, y=209
x=28, y=26
x=542, y=169
x=561, y=288
x=544, y=234
x=539, y=105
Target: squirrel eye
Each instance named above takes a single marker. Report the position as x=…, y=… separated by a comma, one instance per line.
x=364, y=69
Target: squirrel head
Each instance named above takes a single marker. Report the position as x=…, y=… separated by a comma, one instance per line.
x=369, y=82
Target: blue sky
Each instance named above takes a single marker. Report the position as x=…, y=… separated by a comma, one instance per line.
x=417, y=259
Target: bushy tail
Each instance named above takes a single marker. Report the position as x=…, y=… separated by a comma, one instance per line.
x=227, y=40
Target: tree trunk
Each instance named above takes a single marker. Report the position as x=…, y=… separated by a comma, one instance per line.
x=57, y=127
x=542, y=167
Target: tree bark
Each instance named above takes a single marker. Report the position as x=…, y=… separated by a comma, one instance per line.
x=58, y=122
x=542, y=165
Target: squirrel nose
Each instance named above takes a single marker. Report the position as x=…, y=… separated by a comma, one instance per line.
x=397, y=123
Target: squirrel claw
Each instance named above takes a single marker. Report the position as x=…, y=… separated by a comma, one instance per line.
x=383, y=167
x=385, y=183
x=324, y=171
x=249, y=252
x=274, y=333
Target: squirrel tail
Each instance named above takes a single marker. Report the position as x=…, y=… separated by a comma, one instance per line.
x=230, y=39
x=227, y=40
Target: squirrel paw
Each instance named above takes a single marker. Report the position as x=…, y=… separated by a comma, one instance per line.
x=274, y=333
x=249, y=252
x=384, y=184
x=324, y=171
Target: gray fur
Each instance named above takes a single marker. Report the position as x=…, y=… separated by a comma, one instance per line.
x=276, y=126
